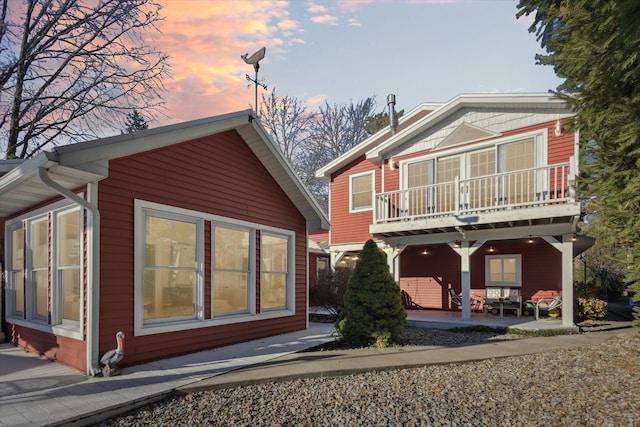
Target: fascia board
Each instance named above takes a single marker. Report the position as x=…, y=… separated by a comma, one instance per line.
x=128, y=144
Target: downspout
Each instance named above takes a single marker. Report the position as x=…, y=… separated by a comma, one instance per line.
x=93, y=267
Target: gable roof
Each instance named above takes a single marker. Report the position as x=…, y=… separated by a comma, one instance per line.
x=75, y=165
x=379, y=145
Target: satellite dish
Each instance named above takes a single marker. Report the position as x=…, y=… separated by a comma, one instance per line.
x=253, y=59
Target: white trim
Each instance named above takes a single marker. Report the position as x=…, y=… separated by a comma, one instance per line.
x=373, y=191
x=290, y=282
x=487, y=270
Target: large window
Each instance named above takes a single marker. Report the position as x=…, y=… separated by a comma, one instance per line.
x=274, y=269
x=249, y=270
x=503, y=270
x=170, y=268
x=230, y=270
x=45, y=262
x=420, y=199
x=361, y=191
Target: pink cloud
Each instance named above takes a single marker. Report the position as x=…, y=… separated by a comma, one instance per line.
x=205, y=40
x=325, y=20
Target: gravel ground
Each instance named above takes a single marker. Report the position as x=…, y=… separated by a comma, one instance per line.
x=595, y=385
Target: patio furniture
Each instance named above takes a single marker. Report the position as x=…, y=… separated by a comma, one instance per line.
x=548, y=304
x=499, y=299
x=457, y=299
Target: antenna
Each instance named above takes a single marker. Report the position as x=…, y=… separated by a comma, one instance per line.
x=254, y=60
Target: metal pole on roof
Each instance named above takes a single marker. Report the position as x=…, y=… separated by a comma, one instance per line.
x=254, y=60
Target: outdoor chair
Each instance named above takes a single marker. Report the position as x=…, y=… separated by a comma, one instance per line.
x=548, y=304
x=457, y=299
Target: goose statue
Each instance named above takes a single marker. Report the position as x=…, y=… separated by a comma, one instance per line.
x=112, y=357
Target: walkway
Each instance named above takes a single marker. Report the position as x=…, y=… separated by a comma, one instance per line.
x=36, y=392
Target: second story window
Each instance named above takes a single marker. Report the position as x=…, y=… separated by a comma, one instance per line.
x=361, y=186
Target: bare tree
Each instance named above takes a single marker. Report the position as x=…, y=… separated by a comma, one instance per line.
x=72, y=69
x=287, y=121
x=336, y=130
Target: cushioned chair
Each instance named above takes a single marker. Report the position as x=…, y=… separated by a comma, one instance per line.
x=548, y=304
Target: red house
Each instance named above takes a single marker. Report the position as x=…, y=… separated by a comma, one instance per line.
x=185, y=237
x=469, y=200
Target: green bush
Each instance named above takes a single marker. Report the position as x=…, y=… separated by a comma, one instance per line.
x=373, y=311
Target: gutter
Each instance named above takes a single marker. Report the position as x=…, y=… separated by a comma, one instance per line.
x=93, y=268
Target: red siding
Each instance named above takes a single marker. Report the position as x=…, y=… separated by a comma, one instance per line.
x=67, y=351
x=350, y=227
x=426, y=278
x=218, y=175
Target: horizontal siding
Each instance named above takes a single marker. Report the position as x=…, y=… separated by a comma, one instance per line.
x=426, y=278
x=349, y=227
x=219, y=175
x=68, y=351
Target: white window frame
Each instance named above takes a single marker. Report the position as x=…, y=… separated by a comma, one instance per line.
x=50, y=326
x=290, y=280
x=373, y=191
x=517, y=283
x=251, y=270
x=11, y=269
x=56, y=283
x=141, y=329
x=142, y=210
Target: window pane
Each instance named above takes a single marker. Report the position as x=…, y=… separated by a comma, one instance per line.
x=231, y=249
x=41, y=278
x=495, y=270
x=361, y=195
x=230, y=291
x=17, y=268
x=172, y=243
x=71, y=294
x=164, y=297
x=274, y=253
x=509, y=270
x=39, y=247
x=69, y=239
x=17, y=249
x=170, y=271
x=274, y=290
x=19, y=286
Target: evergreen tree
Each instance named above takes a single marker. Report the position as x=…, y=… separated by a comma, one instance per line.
x=135, y=122
x=373, y=310
x=594, y=45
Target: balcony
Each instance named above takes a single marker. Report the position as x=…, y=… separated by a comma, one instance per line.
x=535, y=196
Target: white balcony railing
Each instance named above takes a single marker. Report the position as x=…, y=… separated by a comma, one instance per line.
x=510, y=190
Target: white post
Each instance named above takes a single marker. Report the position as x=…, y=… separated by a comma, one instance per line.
x=465, y=251
x=566, y=249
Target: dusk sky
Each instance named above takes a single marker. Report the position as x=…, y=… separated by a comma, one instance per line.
x=342, y=50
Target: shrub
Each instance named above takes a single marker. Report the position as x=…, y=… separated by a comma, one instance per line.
x=373, y=311
x=589, y=308
x=329, y=290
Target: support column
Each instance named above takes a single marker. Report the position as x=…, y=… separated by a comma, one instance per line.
x=566, y=249
x=465, y=251
x=393, y=260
